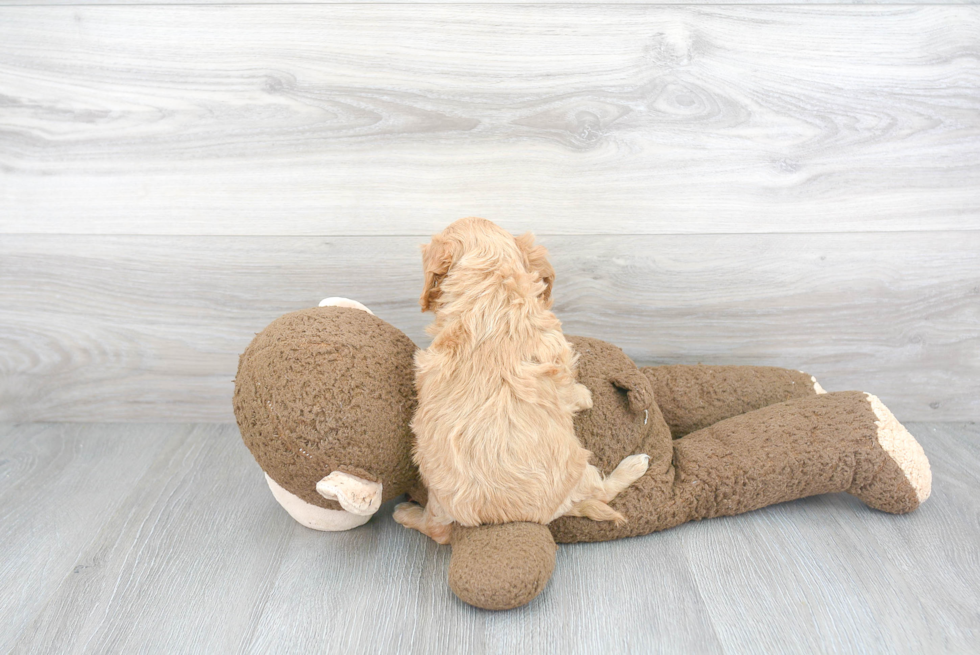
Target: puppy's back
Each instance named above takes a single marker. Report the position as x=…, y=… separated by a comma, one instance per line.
x=495, y=440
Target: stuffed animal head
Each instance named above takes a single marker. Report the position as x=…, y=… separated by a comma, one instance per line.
x=323, y=399
x=479, y=244
x=624, y=419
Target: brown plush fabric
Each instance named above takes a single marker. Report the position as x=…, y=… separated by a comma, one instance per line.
x=332, y=389
x=499, y=567
x=328, y=389
x=694, y=397
x=814, y=445
x=623, y=420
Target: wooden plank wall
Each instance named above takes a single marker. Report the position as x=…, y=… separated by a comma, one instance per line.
x=793, y=184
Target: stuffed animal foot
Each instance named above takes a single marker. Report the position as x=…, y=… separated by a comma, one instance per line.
x=826, y=443
x=902, y=480
x=499, y=567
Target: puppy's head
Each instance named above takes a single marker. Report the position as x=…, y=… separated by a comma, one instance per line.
x=487, y=247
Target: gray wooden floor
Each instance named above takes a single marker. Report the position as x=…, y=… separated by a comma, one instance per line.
x=163, y=538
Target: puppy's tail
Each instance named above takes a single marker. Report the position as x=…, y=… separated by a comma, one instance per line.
x=596, y=510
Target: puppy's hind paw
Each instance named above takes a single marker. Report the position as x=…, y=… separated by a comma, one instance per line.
x=629, y=471
x=581, y=399
x=408, y=515
x=633, y=467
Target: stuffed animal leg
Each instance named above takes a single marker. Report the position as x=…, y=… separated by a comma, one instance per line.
x=827, y=443
x=844, y=441
x=500, y=567
x=838, y=442
x=694, y=397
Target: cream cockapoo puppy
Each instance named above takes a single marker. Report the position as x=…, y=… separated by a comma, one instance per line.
x=497, y=392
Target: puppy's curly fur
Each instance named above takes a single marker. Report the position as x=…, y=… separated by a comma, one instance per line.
x=497, y=392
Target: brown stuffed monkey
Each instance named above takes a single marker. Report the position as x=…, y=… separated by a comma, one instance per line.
x=323, y=399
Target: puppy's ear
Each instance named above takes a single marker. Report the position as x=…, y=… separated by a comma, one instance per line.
x=436, y=260
x=537, y=261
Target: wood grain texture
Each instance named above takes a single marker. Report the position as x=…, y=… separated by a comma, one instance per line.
x=31, y=3
x=191, y=553
x=893, y=581
x=58, y=486
x=584, y=119
x=169, y=566
x=150, y=328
